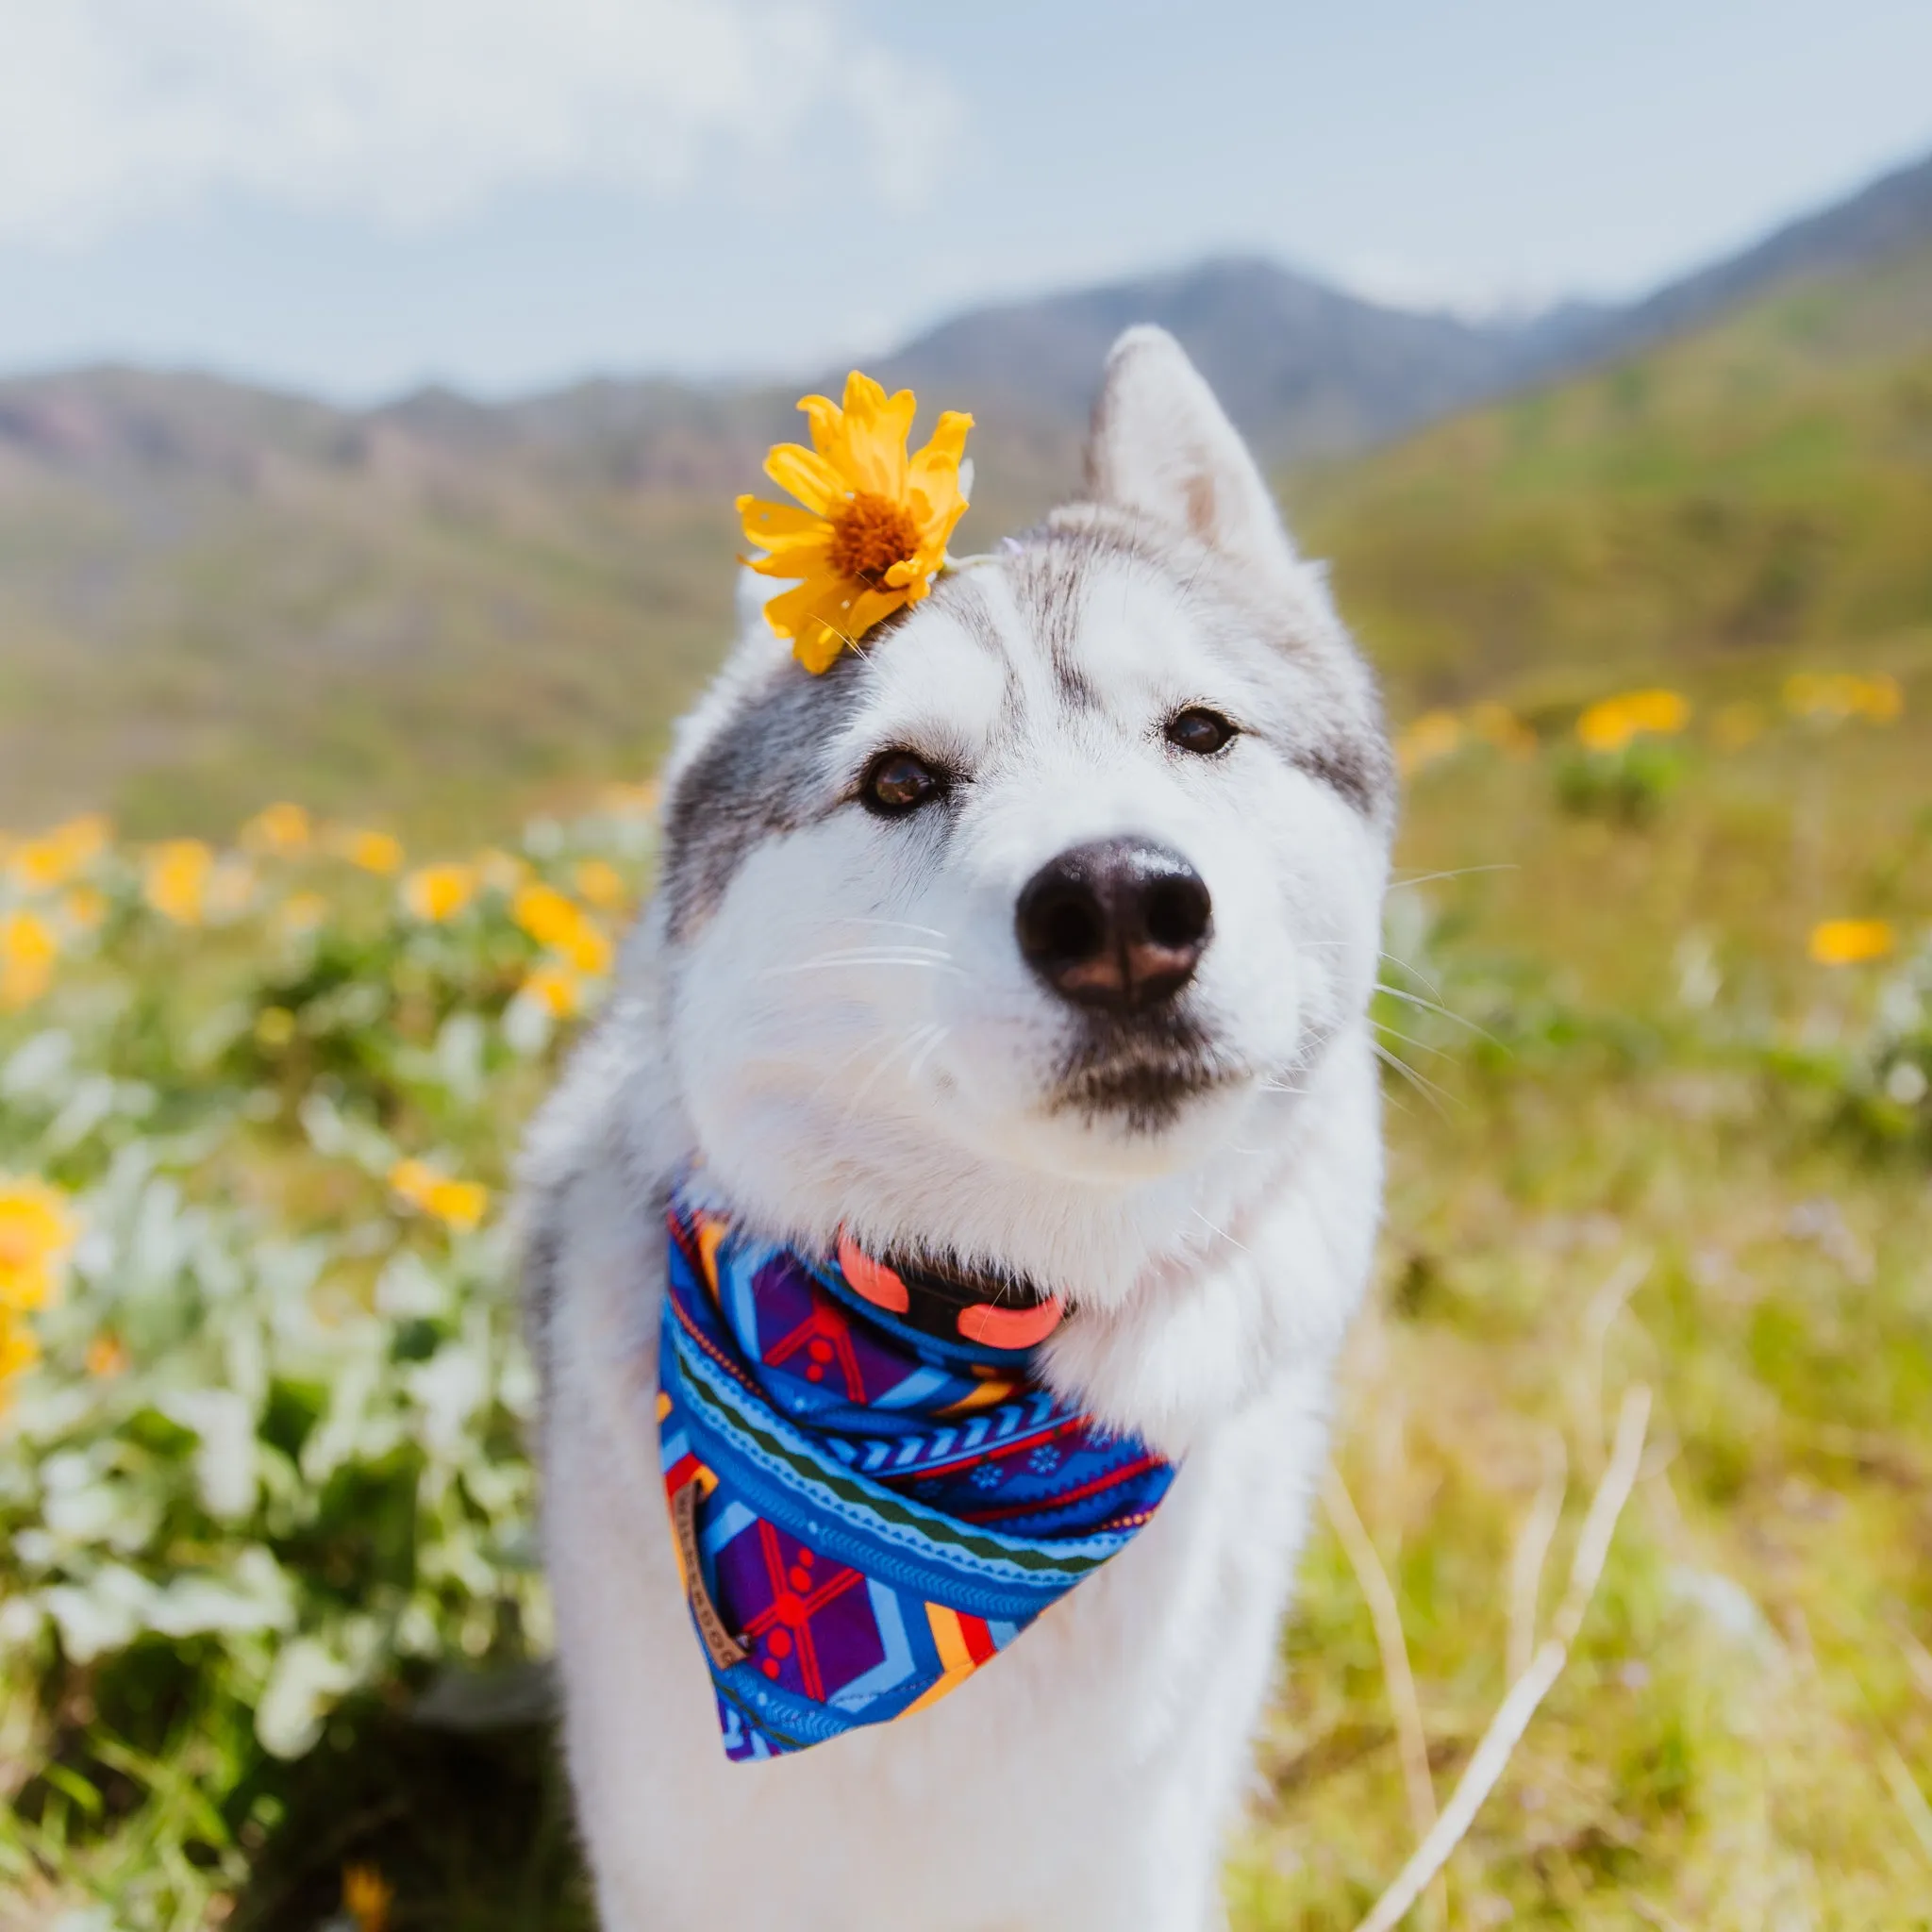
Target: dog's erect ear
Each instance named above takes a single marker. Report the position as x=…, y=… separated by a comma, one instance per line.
x=1163, y=447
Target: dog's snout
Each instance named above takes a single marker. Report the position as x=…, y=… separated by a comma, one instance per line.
x=1119, y=924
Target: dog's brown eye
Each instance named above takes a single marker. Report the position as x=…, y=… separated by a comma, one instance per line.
x=898, y=783
x=1198, y=730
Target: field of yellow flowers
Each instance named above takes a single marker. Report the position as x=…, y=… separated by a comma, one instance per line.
x=1658, y=1008
x=261, y=1451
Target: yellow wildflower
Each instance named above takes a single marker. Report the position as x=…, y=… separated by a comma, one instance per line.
x=1881, y=700
x=1851, y=942
x=561, y=923
x=367, y=1896
x=875, y=522
x=38, y=865
x=28, y=947
x=282, y=827
x=556, y=987
x=36, y=1232
x=589, y=949
x=545, y=914
x=1433, y=736
x=457, y=1204
x=1610, y=723
x=601, y=883
x=106, y=1356
x=377, y=852
x=1834, y=696
x=436, y=892
x=410, y=1180
x=175, y=880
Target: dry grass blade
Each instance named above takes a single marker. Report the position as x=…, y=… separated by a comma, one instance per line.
x=1512, y=1718
x=1531, y=1552
x=1912, y=1800
x=1387, y=1617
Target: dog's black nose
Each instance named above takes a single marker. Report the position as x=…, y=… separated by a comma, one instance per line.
x=1120, y=925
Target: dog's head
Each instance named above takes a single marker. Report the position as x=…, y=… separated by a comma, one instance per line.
x=1064, y=881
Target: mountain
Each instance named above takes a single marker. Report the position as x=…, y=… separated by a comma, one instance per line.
x=211, y=594
x=1305, y=369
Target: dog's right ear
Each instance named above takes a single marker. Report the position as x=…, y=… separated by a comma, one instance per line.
x=1163, y=447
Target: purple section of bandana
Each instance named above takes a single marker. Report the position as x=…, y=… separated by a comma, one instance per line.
x=807, y=1620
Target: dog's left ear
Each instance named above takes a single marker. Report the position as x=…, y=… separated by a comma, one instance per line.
x=1161, y=446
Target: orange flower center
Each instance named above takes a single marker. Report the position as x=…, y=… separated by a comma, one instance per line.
x=870, y=534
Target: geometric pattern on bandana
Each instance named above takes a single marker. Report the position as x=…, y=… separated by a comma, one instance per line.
x=878, y=1511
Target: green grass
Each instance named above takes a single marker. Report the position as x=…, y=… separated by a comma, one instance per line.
x=1765, y=486
x=1721, y=1751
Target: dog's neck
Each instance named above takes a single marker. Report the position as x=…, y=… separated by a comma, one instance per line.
x=1188, y=1291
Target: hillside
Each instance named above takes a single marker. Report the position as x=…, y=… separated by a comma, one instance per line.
x=1762, y=489
x=449, y=611
x=209, y=595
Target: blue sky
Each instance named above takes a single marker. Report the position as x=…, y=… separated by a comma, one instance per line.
x=354, y=195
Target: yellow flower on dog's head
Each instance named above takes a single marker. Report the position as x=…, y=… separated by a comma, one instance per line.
x=872, y=530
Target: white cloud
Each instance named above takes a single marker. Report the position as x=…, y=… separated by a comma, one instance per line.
x=1401, y=284
x=413, y=111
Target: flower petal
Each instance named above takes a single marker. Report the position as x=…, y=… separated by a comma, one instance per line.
x=876, y=426
x=872, y=607
x=827, y=422
x=817, y=647
x=805, y=475
x=768, y=525
x=934, y=471
x=793, y=563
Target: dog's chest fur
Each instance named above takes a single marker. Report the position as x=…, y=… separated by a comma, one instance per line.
x=1084, y=1781
x=1212, y=1239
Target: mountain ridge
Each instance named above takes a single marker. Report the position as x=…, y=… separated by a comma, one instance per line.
x=212, y=593
x=1308, y=369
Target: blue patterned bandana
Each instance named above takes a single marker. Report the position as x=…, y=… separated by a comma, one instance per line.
x=870, y=1490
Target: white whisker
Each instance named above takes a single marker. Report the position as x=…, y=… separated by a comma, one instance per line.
x=1221, y=1232
x=1423, y=1085
x=1459, y=872
x=1389, y=1032
x=833, y=962
x=1397, y=992
x=1414, y=971
x=903, y=925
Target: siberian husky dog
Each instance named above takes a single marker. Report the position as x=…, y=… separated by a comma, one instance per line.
x=845, y=1001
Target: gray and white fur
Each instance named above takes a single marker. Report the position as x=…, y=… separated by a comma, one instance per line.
x=843, y=1015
